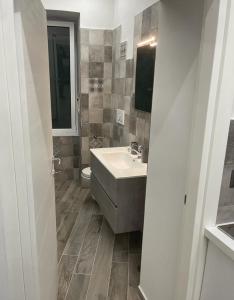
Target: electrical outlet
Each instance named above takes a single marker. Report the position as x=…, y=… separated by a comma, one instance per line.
x=120, y=116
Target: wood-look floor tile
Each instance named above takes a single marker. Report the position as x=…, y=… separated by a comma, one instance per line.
x=65, y=270
x=99, y=281
x=121, y=245
x=135, y=242
x=134, y=276
x=78, y=287
x=121, y=256
x=118, y=282
x=69, y=217
x=89, y=247
x=76, y=238
x=58, y=184
x=64, y=203
x=65, y=231
x=62, y=190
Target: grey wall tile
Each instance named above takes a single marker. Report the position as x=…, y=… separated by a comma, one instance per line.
x=107, y=115
x=129, y=68
x=154, y=16
x=84, y=143
x=122, y=69
x=84, y=36
x=230, y=145
x=106, y=142
x=95, y=85
x=68, y=149
x=84, y=53
x=84, y=85
x=85, y=157
x=96, y=70
x=96, y=100
x=85, y=129
x=111, y=83
x=108, y=129
x=108, y=54
x=84, y=69
x=96, y=54
x=96, y=129
x=115, y=101
x=107, y=86
x=108, y=70
x=107, y=101
x=95, y=142
x=84, y=101
x=121, y=102
x=127, y=105
x=108, y=37
x=96, y=115
x=128, y=86
x=85, y=116
x=96, y=37
x=117, y=70
x=146, y=23
x=138, y=25
x=132, y=125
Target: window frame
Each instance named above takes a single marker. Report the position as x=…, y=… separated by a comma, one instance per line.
x=73, y=131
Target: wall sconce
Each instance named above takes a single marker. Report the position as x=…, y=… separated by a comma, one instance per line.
x=154, y=44
x=151, y=41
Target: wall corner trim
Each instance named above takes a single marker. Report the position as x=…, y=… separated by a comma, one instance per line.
x=141, y=293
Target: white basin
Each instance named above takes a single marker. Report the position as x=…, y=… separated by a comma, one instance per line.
x=120, y=162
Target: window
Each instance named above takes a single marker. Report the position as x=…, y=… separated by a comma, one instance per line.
x=62, y=78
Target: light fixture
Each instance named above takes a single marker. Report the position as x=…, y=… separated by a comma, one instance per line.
x=147, y=42
x=154, y=44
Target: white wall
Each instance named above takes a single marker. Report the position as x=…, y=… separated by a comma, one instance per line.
x=97, y=14
x=124, y=14
x=180, y=26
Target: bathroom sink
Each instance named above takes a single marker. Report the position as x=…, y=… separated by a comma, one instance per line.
x=228, y=229
x=120, y=163
x=118, y=184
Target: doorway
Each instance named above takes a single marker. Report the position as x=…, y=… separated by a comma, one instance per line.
x=91, y=259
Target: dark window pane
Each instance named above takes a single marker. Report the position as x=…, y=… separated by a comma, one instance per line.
x=60, y=87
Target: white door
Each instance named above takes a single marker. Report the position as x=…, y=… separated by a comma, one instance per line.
x=27, y=187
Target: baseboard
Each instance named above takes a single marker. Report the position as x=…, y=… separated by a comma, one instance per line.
x=141, y=293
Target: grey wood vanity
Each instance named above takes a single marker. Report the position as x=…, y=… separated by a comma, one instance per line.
x=118, y=184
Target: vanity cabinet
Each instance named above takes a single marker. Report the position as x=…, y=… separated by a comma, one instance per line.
x=121, y=200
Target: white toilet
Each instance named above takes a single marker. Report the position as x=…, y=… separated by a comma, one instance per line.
x=86, y=177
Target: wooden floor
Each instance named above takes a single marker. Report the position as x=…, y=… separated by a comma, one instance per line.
x=93, y=262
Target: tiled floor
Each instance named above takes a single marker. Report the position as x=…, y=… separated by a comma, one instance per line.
x=93, y=262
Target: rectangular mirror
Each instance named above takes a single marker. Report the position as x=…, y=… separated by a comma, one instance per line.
x=144, y=77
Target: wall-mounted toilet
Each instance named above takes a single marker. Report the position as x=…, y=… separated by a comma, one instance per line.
x=86, y=177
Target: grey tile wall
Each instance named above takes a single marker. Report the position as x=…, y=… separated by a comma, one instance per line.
x=96, y=86
x=108, y=83
x=68, y=149
x=137, y=123
x=229, y=159
x=227, y=193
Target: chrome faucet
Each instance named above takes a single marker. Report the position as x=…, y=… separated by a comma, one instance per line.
x=138, y=152
x=134, y=151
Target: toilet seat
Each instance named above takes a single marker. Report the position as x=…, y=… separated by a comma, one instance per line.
x=86, y=173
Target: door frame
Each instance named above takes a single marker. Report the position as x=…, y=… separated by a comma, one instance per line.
x=208, y=147
x=18, y=232
x=73, y=131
